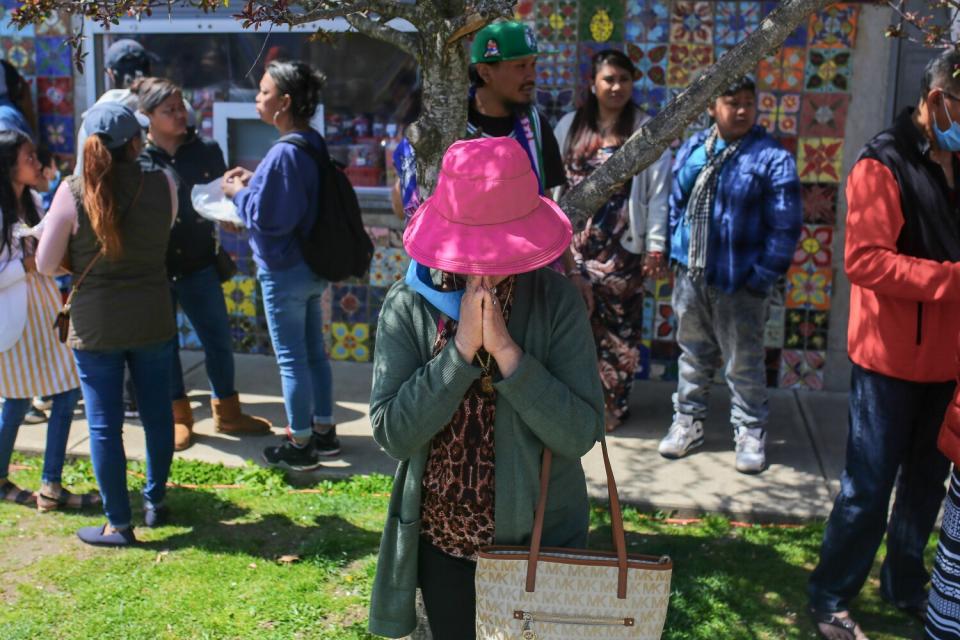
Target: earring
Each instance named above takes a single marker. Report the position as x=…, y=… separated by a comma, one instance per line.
x=276, y=115
x=593, y=90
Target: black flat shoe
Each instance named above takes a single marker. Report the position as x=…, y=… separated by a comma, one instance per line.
x=833, y=627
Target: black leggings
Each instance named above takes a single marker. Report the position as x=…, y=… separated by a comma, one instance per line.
x=449, y=593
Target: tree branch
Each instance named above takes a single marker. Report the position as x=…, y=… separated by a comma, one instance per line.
x=484, y=12
x=407, y=42
x=646, y=145
x=326, y=9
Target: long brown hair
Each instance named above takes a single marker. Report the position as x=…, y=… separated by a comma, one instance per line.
x=98, y=200
x=584, y=138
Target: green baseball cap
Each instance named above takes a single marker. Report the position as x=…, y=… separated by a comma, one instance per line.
x=503, y=41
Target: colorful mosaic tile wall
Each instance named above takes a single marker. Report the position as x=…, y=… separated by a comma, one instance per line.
x=804, y=95
x=350, y=308
x=803, y=101
x=42, y=56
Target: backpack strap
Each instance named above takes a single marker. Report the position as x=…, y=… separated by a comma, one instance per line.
x=321, y=159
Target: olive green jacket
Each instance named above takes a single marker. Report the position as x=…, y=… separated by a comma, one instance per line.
x=554, y=399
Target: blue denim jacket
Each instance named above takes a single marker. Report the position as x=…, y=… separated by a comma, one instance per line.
x=757, y=217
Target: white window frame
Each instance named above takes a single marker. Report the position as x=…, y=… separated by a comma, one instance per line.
x=223, y=111
x=158, y=24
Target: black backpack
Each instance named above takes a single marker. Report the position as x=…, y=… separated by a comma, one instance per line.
x=337, y=245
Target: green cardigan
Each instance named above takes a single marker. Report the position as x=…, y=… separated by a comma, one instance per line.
x=554, y=399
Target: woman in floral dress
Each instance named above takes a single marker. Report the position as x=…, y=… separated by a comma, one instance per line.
x=624, y=241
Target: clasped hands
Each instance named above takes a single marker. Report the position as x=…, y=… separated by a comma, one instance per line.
x=482, y=325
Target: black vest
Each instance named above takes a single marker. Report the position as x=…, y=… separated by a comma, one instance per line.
x=931, y=227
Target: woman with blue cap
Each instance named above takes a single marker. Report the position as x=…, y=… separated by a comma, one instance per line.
x=112, y=225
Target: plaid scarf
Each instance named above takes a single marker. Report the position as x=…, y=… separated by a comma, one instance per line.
x=702, y=198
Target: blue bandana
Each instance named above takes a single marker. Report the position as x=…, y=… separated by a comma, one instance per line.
x=448, y=302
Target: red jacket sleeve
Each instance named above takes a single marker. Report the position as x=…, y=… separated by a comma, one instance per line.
x=874, y=221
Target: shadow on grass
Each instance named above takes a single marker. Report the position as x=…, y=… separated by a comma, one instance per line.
x=221, y=526
x=730, y=587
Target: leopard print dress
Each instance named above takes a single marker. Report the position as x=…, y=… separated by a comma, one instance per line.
x=457, y=505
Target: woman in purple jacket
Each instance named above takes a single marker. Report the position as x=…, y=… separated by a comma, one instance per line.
x=278, y=203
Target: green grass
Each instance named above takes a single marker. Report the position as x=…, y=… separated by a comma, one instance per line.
x=218, y=573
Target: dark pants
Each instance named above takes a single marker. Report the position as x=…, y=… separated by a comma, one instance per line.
x=449, y=593
x=893, y=428
x=200, y=296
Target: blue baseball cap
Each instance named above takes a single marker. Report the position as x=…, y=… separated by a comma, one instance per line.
x=114, y=122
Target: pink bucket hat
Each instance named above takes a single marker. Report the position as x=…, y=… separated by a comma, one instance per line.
x=486, y=216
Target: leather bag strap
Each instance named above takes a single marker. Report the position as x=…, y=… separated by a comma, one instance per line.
x=83, y=276
x=616, y=522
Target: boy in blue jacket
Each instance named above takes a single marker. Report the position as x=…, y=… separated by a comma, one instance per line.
x=735, y=219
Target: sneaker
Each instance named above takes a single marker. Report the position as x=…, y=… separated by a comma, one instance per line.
x=750, y=450
x=291, y=456
x=685, y=434
x=326, y=444
x=34, y=416
x=43, y=404
x=130, y=410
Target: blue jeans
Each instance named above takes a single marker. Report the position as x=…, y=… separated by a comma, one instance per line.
x=716, y=328
x=892, y=440
x=58, y=430
x=291, y=299
x=201, y=298
x=101, y=379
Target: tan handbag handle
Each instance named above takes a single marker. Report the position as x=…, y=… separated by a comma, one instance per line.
x=616, y=522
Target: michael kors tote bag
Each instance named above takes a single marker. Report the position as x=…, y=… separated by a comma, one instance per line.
x=570, y=594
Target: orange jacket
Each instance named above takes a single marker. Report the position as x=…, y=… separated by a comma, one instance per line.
x=904, y=311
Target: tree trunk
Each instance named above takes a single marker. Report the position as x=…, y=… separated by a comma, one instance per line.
x=646, y=145
x=443, y=118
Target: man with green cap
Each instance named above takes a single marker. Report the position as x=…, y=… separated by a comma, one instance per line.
x=503, y=64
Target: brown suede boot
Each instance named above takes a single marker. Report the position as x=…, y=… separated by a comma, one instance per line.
x=182, y=424
x=228, y=418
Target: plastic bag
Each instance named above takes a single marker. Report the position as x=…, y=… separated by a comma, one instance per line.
x=211, y=203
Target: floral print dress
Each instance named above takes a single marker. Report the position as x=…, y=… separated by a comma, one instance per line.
x=617, y=279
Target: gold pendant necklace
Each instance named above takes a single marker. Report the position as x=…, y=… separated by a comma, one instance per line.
x=486, y=378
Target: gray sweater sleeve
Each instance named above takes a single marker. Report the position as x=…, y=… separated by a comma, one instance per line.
x=560, y=398
x=411, y=401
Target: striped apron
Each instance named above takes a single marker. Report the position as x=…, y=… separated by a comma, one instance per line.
x=38, y=364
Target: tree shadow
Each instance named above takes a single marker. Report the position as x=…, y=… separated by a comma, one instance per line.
x=730, y=587
x=220, y=526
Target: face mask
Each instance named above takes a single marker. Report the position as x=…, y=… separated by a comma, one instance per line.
x=948, y=140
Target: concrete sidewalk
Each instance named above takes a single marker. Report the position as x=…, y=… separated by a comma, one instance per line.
x=805, y=445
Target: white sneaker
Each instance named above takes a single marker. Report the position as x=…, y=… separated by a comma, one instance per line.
x=684, y=435
x=42, y=405
x=751, y=443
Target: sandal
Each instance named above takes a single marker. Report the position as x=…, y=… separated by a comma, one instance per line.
x=47, y=503
x=611, y=422
x=833, y=627
x=12, y=493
